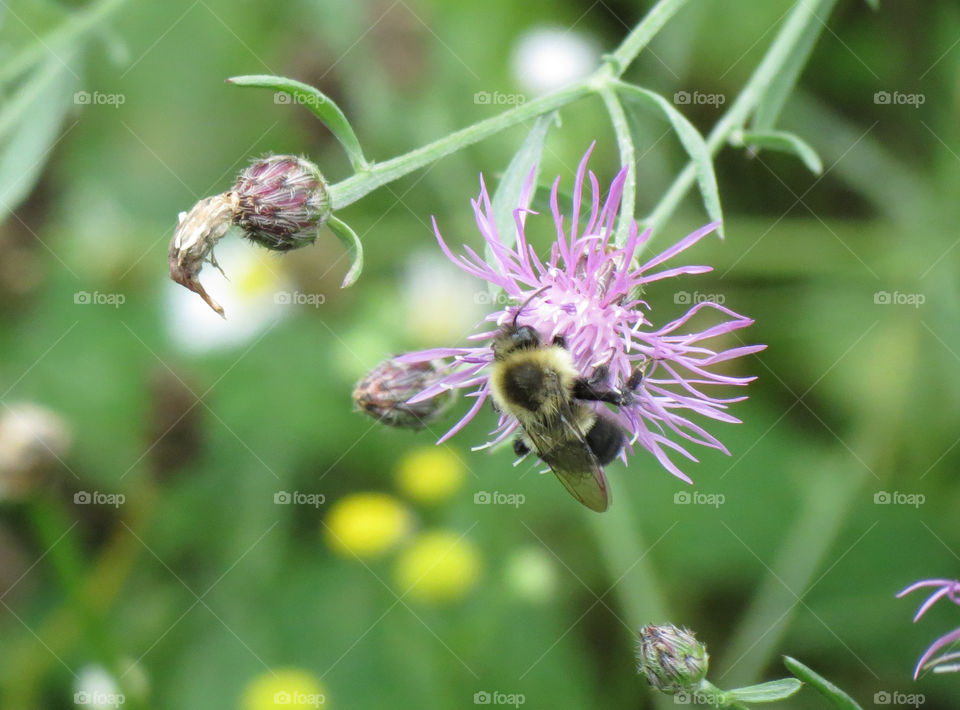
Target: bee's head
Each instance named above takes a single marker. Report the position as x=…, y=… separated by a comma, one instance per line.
x=515, y=337
x=512, y=338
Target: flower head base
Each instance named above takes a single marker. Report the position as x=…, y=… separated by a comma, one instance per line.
x=589, y=294
x=948, y=662
x=671, y=658
x=384, y=393
x=280, y=202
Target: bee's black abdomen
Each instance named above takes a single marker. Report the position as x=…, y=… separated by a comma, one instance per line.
x=605, y=440
x=523, y=385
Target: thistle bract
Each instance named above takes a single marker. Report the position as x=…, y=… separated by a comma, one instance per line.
x=384, y=393
x=588, y=292
x=281, y=202
x=671, y=659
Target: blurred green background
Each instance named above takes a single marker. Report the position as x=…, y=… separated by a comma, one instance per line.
x=199, y=583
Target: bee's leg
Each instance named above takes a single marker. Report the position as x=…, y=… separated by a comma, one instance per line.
x=636, y=377
x=600, y=375
x=520, y=447
x=560, y=341
x=594, y=392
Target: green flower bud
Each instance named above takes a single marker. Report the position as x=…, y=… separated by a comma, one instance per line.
x=384, y=393
x=671, y=658
x=281, y=202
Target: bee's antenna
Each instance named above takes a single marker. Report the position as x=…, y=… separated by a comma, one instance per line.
x=527, y=303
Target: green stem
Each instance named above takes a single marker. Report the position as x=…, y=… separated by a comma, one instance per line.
x=353, y=188
x=356, y=186
x=641, y=35
x=627, y=159
x=73, y=27
x=59, y=542
x=627, y=558
x=827, y=502
x=736, y=117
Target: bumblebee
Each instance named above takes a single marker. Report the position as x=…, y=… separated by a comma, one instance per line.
x=540, y=386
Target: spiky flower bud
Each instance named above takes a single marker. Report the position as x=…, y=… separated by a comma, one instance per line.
x=386, y=389
x=281, y=202
x=671, y=658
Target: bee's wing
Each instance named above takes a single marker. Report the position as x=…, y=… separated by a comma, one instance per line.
x=571, y=459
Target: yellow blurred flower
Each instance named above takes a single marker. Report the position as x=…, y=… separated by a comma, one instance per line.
x=430, y=474
x=287, y=688
x=438, y=566
x=367, y=524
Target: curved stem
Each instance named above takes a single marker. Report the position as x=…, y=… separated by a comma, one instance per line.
x=353, y=188
x=641, y=35
x=805, y=12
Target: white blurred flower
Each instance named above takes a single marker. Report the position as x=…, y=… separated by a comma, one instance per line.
x=32, y=439
x=96, y=688
x=546, y=58
x=531, y=574
x=441, y=306
x=256, y=295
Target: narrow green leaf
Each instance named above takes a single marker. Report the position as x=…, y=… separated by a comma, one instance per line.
x=769, y=692
x=31, y=124
x=874, y=4
x=785, y=143
x=321, y=105
x=17, y=106
x=837, y=697
x=508, y=190
x=782, y=84
x=621, y=127
x=351, y=242
x=692, y=142
x=541, y=198
x=61, y=41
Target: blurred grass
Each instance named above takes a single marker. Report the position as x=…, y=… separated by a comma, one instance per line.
x=879, y=384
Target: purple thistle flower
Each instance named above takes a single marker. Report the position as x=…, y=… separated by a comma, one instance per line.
x=947, y=662
x=590, y=294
